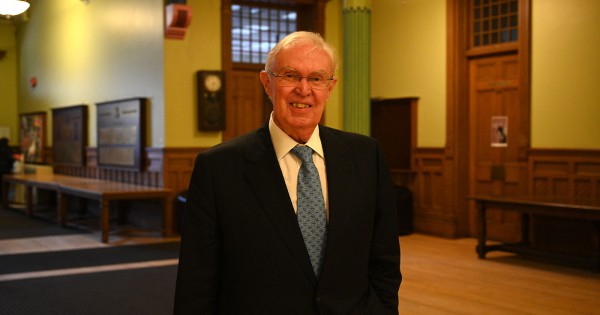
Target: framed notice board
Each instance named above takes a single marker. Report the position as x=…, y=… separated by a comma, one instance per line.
x=121, y=133
x=69, y=135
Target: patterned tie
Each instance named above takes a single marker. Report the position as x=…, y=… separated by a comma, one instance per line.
x=311, y=208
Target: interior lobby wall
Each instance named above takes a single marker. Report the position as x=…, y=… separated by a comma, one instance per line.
x=200, y=49
x=90, y=52
x=565, y=97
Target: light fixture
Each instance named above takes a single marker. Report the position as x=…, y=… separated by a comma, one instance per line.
x=13, y=7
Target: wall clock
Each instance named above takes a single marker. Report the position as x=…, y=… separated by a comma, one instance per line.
x=211, y=100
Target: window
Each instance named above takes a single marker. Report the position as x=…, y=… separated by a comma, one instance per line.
x=255, y=30
x=494, y=22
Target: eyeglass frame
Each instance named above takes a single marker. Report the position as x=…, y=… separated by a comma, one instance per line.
x=299, y=79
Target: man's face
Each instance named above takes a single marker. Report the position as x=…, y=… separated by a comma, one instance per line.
x=298, y=107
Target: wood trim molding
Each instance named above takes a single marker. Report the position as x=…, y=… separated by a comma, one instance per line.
x=456, y=150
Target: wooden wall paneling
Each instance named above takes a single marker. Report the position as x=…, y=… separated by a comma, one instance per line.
x=178, y=167
x=571, y=173
x=568, y=173
x=431, y=214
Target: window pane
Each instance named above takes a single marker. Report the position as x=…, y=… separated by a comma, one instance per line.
x=494, y=21
x=255, y=30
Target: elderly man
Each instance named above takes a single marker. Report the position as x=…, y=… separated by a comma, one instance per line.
x=293, y=218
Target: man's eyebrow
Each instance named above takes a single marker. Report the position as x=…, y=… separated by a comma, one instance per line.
x=290, y=69
x=322, y=72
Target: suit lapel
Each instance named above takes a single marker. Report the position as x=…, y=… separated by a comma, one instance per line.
x=341, y=185
x=264, y=176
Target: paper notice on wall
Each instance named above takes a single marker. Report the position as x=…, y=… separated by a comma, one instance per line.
x=499, y=131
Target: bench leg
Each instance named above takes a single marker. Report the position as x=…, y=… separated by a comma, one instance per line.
x=5, y=187
x=168, y=216
x=29, y=200
x=104, y=219
x=597, y=242
x=61, y=205
x=481, y=237
x=525, y=228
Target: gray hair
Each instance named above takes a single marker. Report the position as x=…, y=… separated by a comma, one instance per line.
x=298, y=38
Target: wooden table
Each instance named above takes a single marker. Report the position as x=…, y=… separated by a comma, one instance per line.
x=538, y=205
x=90, y=188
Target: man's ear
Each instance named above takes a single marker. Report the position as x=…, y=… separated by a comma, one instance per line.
x=266, y=80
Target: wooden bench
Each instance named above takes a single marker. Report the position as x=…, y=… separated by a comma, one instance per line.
x=90, y=188
x=553, y=206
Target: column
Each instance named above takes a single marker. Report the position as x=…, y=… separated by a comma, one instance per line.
x=357, y=66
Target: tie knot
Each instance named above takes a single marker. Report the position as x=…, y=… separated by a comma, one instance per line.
x=304, y=153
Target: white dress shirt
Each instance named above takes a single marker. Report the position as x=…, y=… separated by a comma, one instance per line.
x=290, y=163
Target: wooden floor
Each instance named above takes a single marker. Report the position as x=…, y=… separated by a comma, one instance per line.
x=443, y=276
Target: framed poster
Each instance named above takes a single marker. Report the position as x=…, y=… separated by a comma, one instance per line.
x=121, y=133
x=32, y=136
x=69, y=135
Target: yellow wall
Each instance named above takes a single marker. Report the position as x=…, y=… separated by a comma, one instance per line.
x=565, y=109
x=199, y=50
x=114, y=49
x=8, y=81
x=89, y=53
x=409, y=60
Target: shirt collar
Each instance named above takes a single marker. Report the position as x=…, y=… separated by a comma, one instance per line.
x=283, y=143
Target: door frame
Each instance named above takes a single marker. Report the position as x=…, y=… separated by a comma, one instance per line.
x=457, y=149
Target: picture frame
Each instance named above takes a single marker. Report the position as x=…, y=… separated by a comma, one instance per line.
x=121, y=133
x=69, y=135
x=32, y=136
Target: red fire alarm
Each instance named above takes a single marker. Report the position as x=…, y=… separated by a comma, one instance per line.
x=33, y=82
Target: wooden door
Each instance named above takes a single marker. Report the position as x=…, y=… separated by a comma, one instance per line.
x=496, y=137
x=247, y=106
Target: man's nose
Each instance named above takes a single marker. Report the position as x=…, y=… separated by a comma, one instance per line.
x=303, y=88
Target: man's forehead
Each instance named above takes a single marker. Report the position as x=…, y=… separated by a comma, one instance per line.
x=313, y=57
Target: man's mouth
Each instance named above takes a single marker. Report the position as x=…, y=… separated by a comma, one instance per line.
x=300, y=105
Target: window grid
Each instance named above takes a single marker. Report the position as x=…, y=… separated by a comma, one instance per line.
x=494, y=22
x=255, y=30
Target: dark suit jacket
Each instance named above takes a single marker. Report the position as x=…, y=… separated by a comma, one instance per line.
x=242, y=251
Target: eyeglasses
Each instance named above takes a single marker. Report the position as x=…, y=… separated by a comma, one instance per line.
x=289, y=78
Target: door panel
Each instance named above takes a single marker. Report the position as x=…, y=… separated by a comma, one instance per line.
x=495, y=131
x=246, y=109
